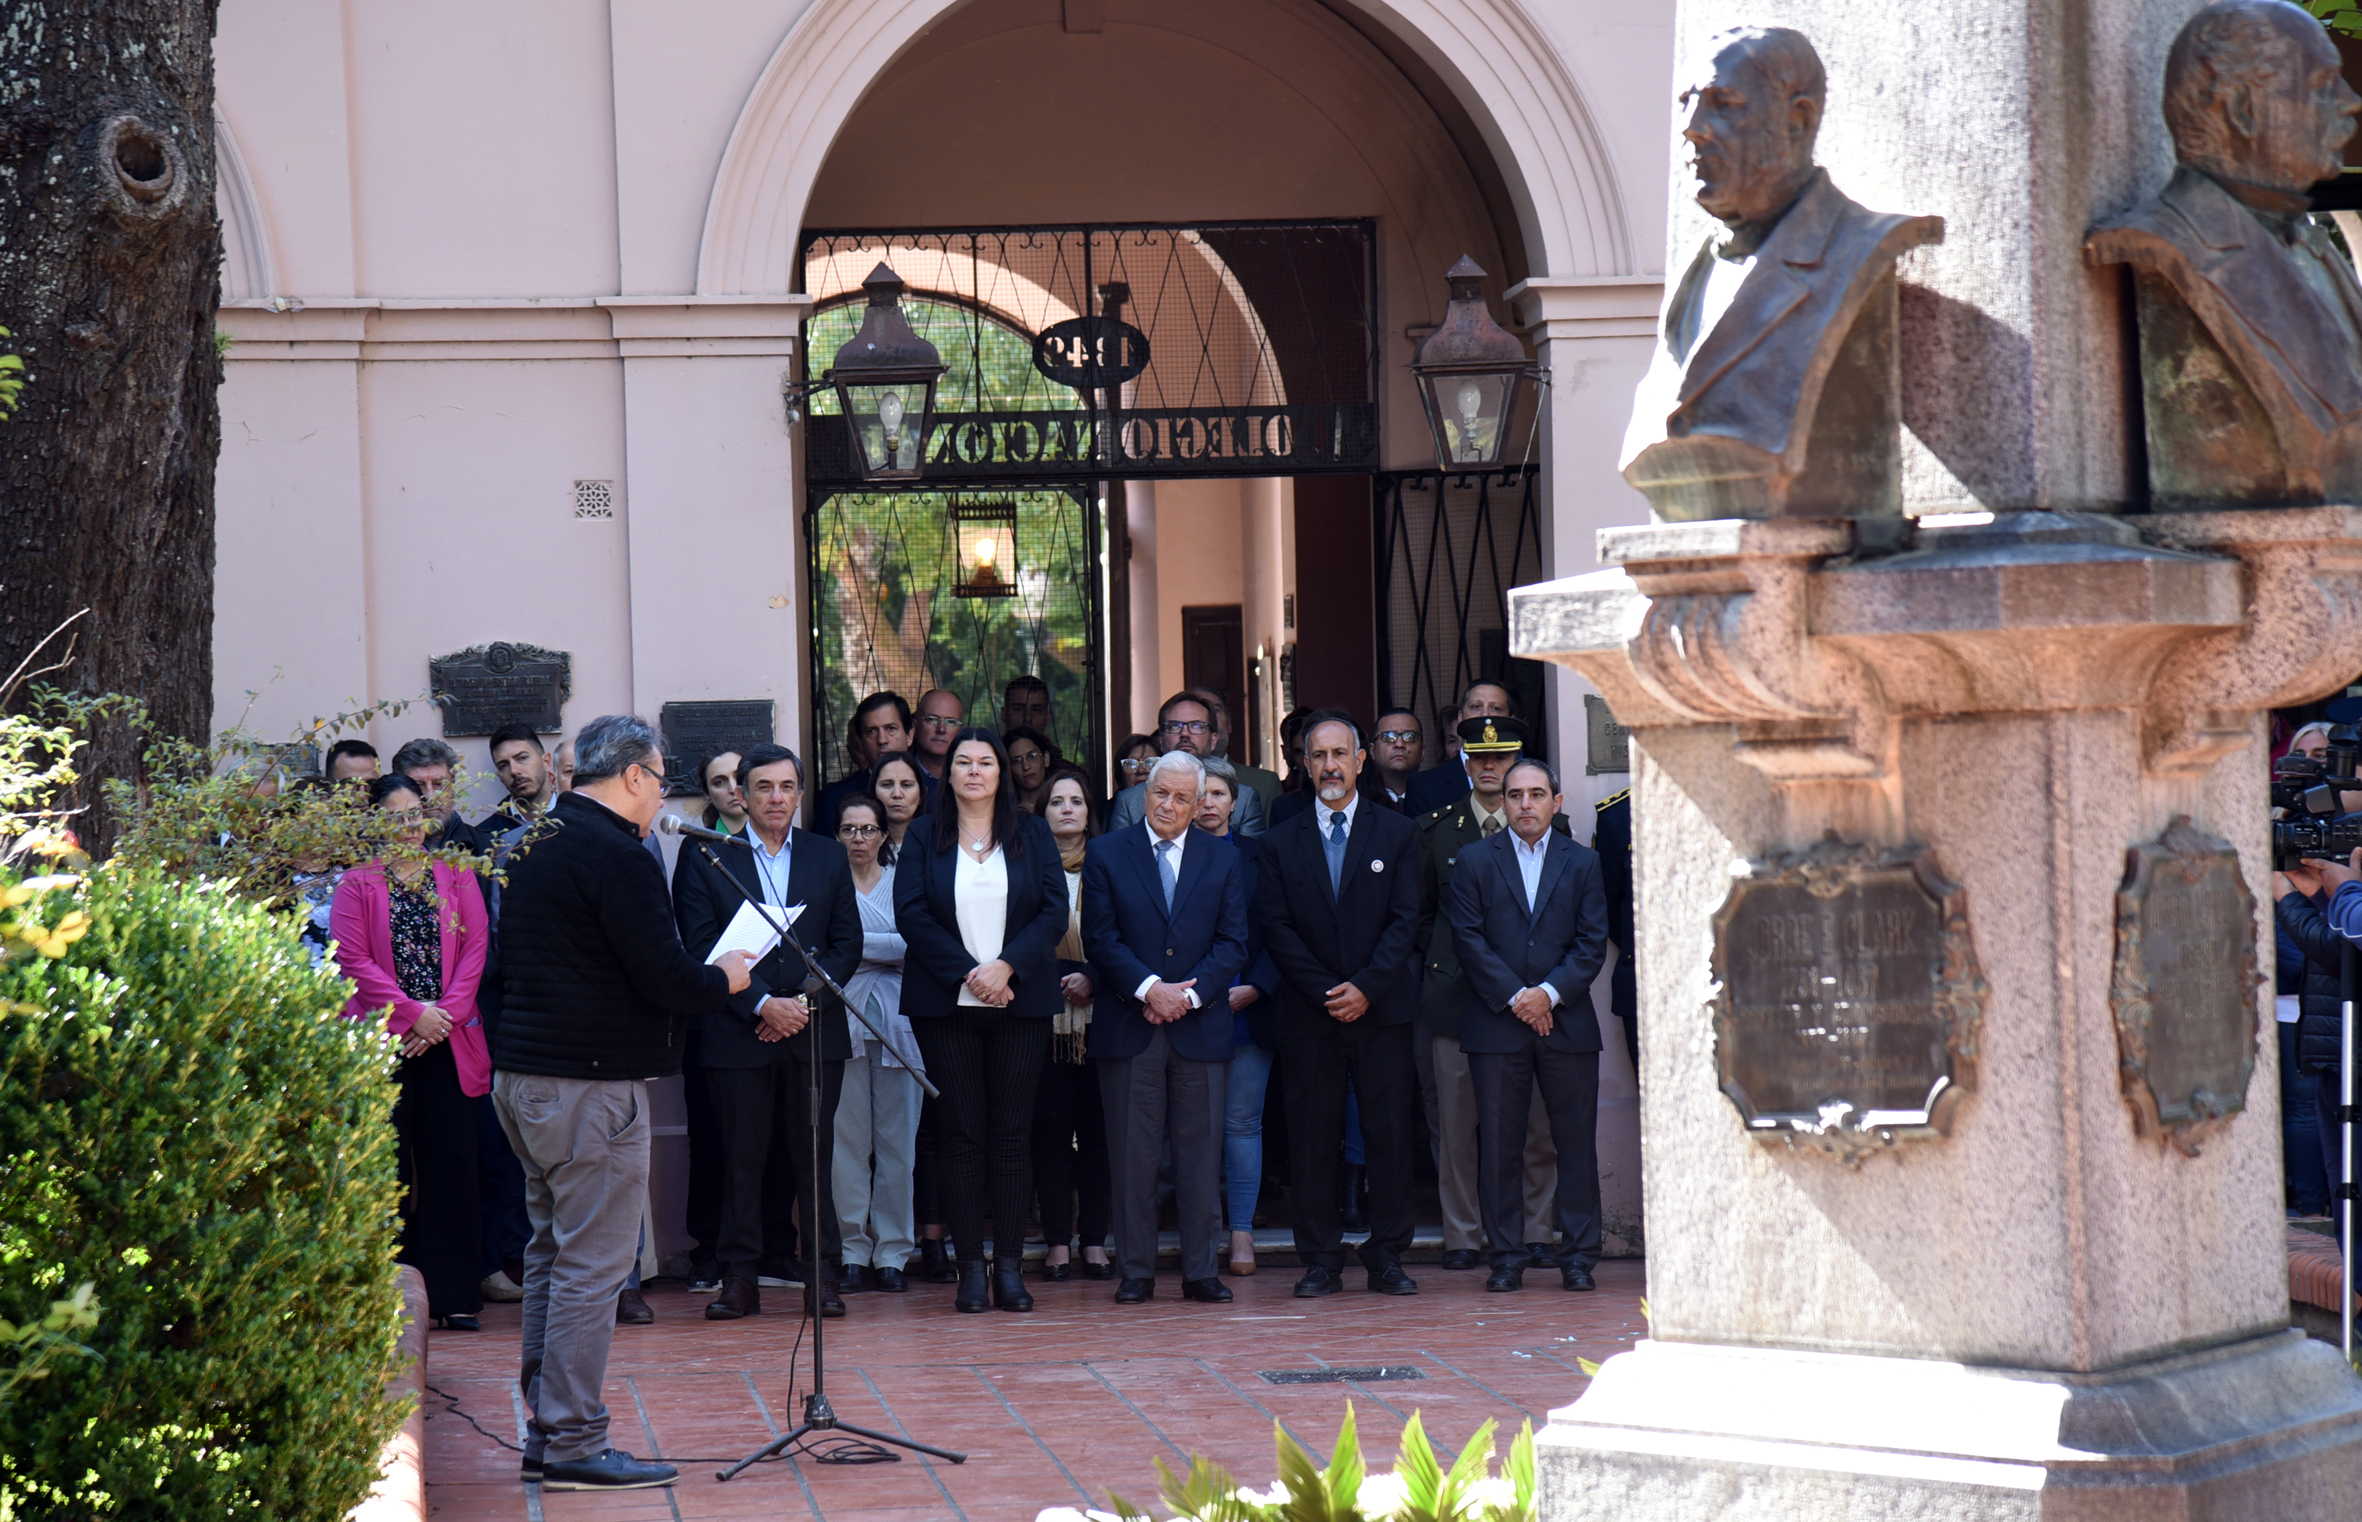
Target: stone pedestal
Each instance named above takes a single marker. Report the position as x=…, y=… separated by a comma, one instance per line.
x=2056, y=1306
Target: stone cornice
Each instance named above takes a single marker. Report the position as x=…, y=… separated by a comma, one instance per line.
x=351, y=328
x=1558, y=307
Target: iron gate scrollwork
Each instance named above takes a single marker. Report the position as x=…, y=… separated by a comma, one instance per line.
x=1088, y=353
x=1448, y=549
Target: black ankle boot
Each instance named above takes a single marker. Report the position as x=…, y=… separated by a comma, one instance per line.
x=934, y=1265
x=972, y=1297
x=1008, y=1285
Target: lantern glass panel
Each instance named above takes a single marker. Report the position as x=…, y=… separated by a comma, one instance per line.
x=889, y=425
x=1471, y=413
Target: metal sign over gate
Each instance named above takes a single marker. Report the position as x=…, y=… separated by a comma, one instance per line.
x=1099, y=352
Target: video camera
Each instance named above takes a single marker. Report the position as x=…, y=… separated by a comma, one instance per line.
x=2308, y=811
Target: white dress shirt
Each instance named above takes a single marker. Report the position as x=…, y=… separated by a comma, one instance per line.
x=1322, y=809
x=1180, y=844
x=1529, y=866
x=980, y=901
x=773, y=866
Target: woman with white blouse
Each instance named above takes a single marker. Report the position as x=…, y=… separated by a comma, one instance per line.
x=980, y=899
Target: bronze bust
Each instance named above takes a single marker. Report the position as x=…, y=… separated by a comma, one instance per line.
x=2250, y=319
x=1773, y=389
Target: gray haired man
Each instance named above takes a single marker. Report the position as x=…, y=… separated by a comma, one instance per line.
x=599, y=991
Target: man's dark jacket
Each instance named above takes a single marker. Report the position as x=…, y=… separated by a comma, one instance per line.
x=704, y=902
x=1130, y=936
x=1443, y=835
x=1361, y=935
x=1561, y=942
x=598, y=984
x=2320, y=1009
x=1439, y=786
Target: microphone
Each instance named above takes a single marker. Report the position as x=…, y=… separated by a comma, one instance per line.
x=674, y=824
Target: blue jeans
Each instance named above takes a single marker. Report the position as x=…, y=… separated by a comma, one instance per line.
x=2300, y=1137
x=1242, y=1133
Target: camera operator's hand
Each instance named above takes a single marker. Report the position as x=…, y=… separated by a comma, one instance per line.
x=2336, y=874
x=2302, y=880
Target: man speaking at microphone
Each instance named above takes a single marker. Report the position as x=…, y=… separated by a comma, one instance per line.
x=599, y=990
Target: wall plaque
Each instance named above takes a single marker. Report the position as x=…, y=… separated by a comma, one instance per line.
x=1607, y=744
x=1847, y=997
x=482, y=689
x=694, y=731
x=2184, y=991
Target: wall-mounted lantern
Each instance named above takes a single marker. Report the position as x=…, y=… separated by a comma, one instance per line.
x=1470, y=373
x=885, y=377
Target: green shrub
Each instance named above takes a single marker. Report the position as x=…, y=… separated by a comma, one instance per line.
x=187, y=1124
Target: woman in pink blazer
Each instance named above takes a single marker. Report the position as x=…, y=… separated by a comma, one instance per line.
x=412, y=937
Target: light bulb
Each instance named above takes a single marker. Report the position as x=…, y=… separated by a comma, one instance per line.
x=890, y=416
x=1471, y=398
x=985, y=551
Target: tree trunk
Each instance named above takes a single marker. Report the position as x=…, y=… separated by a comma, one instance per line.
x=110, y=276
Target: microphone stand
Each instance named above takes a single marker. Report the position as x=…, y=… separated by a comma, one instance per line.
x=819, y=1415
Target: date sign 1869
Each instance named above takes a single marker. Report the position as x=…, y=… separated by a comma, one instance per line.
x=1847, y=997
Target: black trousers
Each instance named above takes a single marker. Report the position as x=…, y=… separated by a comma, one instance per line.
x=988, y=1063
x=1070, y=1154
x=442, y=1231
x=1312, y=1073
x=1504, y=1084
x=763, y=1116
x=926, y=1188
x=703, y=1216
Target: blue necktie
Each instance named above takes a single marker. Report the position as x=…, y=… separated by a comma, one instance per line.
x=1164, y=869
x=1336, y=850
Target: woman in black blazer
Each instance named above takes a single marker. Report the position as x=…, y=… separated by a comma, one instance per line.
x=980, y=899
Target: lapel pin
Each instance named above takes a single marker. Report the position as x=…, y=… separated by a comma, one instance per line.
x=1377, y=866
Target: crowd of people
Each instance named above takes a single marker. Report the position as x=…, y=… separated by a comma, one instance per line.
x=1105, y=996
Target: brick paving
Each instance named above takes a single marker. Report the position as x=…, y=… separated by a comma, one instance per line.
x=1054, y=1408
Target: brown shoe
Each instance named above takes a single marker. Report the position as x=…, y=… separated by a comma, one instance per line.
x=632, y=1310
x=739, y=1297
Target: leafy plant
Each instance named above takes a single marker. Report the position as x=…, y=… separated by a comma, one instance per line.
x=37, y=1345
x=2336, y=15
x=1419, y=1490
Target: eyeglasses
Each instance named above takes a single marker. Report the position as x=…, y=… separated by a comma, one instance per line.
x=406, y=817
x=1397, y=736
x=938, y=721
x=1135, y=763
x=1185, y=726
x=859, y=832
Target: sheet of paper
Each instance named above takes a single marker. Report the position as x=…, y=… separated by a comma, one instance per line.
x=749, y=932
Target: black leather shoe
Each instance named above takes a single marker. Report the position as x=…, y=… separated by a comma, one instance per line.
x=1541, y=1255
x=705, y=1276
x=974, y=1296
x=1210, y=1291
x=1133, y=1291
x=935, y=1264
x=1575, y=1276
x=1393, y=1281
x=1318, y=1281
x=1460, y=1258
x=739, y=1297
x=459, y=1321
x=1353, y=1189
x=852, y=1279
x=1507, y=1278
x=1099, y=1271
x=832, y=1304
x=613, y=1469
x=631, y=1309
x=1008, y=1285
x=529, y=1470
x=1057, y=1273
x=890, y=1281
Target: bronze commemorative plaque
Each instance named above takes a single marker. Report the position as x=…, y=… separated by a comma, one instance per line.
x=491, y=686
x=1847, y=996
x=696, y=731
x=2184, y=991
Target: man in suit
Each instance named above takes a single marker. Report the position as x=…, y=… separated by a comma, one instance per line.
x=1529, y=916
x=1611, y=838
x=1265, y=783
x=1759, y=324
x=1339, y=905
x=2236, y=277
x=882, y=725
x=1186, y=723
x=1165, y=927
x=1396, y=749
x=1490, y=747
x=1447, y=782
x=759, y=1047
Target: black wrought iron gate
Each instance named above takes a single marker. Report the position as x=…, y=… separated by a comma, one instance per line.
x=1448, y=549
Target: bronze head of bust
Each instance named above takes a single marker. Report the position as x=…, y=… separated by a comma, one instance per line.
x=1772, y=392
x=2250, y=319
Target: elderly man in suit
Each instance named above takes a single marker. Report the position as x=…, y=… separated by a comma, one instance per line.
x=1529, y=915
x=1165, y=928
x=1338, y=901
x=1798, y=297
x=758, y=1048
x=2236, y=278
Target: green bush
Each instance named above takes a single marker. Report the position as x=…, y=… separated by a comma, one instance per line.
x=187, y=1124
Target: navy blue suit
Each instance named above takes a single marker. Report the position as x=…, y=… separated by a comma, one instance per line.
x=1505, y=945
x=1435, y=788
x=1363, y=933
x=1161, y=1084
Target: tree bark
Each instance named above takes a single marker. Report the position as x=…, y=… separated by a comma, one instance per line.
x=110, y=277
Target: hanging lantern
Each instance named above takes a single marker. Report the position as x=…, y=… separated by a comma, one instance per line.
x=885, y=377
x=987, y=536
x=1470, y=371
